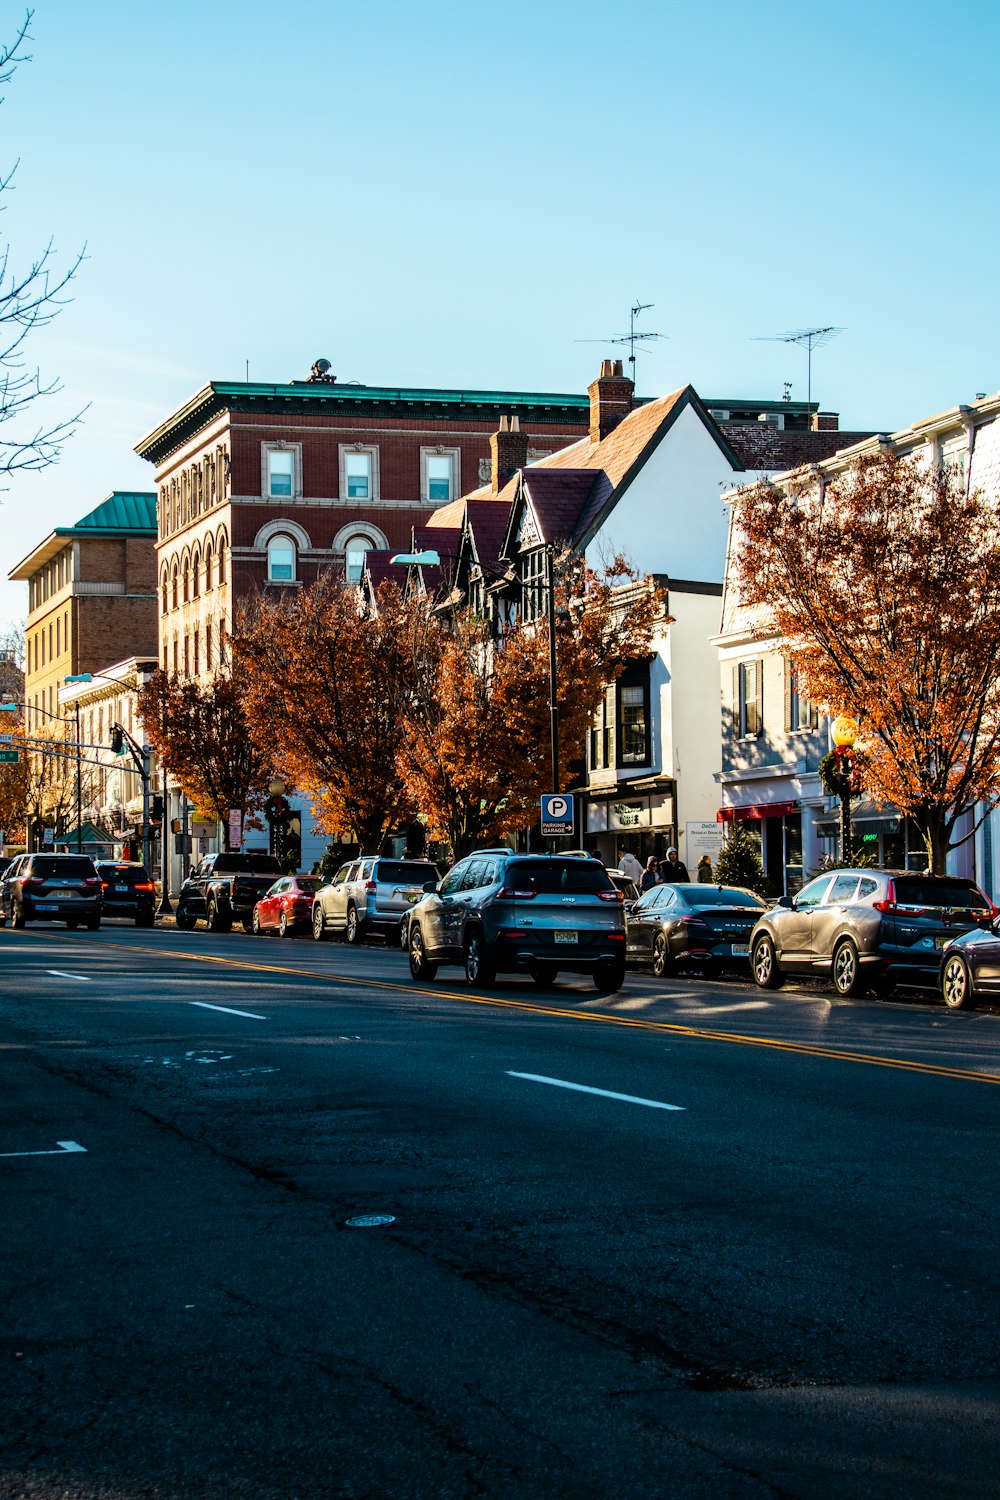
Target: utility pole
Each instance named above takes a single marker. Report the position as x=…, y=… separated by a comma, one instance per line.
x=79, y=790
x=553, y=699
x=165, y=908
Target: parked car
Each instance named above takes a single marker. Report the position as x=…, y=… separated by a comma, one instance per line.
x=704, y=925
x=225, y=888
x=867, y=929
x=970, y=967
x=628, y=888
x=128, y=891
x=539, y=913
x=51, y=888
x=371, y=893
x=286, y=905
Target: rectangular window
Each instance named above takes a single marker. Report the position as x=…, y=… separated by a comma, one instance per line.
x=280, y=473
x=439, y=476
x=602, y=733
x=534, y=598
x=799, y=712
x=748, y=699
x=359, y=476
x=634, y=724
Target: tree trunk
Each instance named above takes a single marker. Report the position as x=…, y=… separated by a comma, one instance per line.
x=933, y=826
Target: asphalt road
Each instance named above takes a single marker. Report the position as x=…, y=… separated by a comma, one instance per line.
x=689, y=1241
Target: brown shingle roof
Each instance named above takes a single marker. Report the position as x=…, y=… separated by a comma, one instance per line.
x=487, y=520
x=758, y=445
x=559, y=498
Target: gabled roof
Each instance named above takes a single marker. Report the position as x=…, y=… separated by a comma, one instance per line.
x=559, y=498
x=759, y=445
x=123, y=513
x=486, y=528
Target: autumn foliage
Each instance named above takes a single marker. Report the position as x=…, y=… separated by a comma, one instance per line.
x=201, y=737
x=886, y=593
x=327, y=687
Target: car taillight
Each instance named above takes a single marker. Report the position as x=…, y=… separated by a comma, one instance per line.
x=611, y=896
x=93, y=880
x=511, y=893
x=144, y=885
x=889, y=904
x=32, y=880
x=104, y=885
x=697, y=922
x=370, y=886
x=232, y=886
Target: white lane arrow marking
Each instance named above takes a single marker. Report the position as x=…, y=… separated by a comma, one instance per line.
x=61, y=974
x=64, y=1147
x=228, y=1010
x=583, y=1088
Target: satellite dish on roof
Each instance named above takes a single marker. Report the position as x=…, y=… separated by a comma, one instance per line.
x=321, y=371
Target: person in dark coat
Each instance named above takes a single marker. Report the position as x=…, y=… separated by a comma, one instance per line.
x=705, y=870
x=672, y=871
x=651, y=874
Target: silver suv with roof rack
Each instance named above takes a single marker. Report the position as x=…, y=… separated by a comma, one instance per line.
x=540, y=914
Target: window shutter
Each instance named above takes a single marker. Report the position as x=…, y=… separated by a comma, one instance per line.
x=759, y=705
x=737, y=716
x=789, y=690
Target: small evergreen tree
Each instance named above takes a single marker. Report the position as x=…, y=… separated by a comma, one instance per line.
x=739, y=863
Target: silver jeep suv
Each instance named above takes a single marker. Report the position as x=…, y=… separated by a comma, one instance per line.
x=539, y=913
x=372, y=893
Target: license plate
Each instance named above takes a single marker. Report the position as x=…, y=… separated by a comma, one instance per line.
x=942, y=942
x=46, y=906
x=741, y=948
x=64, y=895
x=565, y=935
x=123, y=889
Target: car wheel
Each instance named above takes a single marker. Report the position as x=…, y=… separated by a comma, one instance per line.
x=216, y=921
x=283, y=924
x=847, y=980
x=185, y=921
x=610, y=976
x=662, y=962
x=544, y=975
x=319, y=924
x=18, y=919
x=956, y=984
x=255, y=923
x=404, y=940
x=766, y=972
x=353, y=932
x=421, y=966
x=479, y=966
x=94, y=923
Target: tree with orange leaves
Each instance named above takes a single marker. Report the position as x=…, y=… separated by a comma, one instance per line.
x=476, y=756
x=885, y=591
x=200, y=736
x=327, y=685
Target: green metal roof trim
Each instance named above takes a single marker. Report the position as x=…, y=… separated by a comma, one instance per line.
x=121, y=511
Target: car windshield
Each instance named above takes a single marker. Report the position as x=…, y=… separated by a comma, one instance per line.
x=552, y=876
x=309, y=882
x=65, y=867
x=723, y=896
x=922, y=890
x=402, y=872
x=123, y=874
x=241, y=864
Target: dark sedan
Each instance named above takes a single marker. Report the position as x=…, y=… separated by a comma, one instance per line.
x=704, y=925
x=970, y=968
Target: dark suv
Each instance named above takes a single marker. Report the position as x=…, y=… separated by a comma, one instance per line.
x=128, y=891
x=866, y=929
x=51, y=888
x=537, y=913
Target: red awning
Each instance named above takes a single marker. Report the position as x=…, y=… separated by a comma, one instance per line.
x=756, y=810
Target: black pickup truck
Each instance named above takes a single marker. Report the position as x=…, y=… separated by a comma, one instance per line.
x=224, y=889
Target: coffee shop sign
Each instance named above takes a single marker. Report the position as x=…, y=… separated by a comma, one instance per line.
x=628, y=814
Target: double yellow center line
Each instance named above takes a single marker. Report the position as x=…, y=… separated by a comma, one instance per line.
x=772, y=1044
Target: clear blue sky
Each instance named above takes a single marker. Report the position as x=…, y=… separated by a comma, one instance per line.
x=452, y=194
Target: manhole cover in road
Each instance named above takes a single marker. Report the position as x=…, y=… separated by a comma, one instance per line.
x=368, y=1221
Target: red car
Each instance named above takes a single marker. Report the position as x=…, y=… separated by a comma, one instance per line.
x=287, y=905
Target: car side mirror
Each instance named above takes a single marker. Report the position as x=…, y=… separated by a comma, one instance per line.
x=788, y=901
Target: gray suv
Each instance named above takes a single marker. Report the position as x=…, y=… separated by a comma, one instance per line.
x=866, y=929
x=51, y=888
x=372, y=893
x=538, y=913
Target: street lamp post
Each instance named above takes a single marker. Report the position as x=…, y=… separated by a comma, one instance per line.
x=553, y=699
x=845, y=734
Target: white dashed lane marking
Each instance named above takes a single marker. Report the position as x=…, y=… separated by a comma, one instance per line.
x=584, y=1088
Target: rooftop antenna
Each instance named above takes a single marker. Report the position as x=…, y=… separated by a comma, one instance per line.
x=632, y=337
x=807, y=339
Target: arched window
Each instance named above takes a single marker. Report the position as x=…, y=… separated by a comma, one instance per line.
x=208, y=567
x=173, y=583
x=222, y=557
x=163, y=593
x=280, y=559
x=195, y=573
x=186, y=572
x=354, y=557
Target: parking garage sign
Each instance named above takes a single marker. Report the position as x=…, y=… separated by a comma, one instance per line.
x=557, y=816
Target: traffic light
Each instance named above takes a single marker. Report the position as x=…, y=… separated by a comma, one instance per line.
x=156, y=809
x=118, y=740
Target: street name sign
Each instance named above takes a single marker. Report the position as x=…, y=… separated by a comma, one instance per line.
x=557, y=816
x=10, y=757
x=6, y=739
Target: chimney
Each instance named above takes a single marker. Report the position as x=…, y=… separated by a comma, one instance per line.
x=508, y=452
x=610, y=399
x=825, y=421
